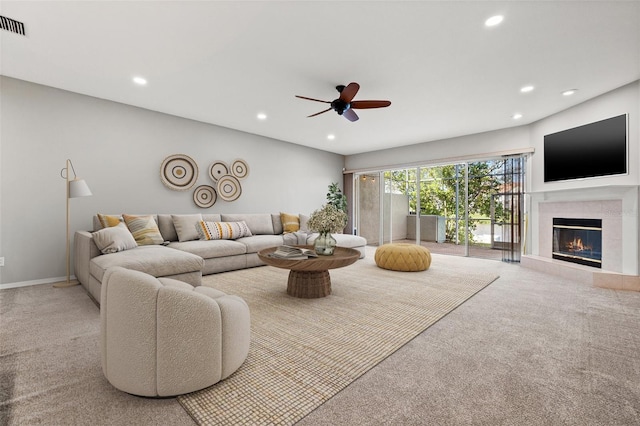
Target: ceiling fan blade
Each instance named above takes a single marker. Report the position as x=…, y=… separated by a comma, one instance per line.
x=349, y=92
x=369, y=104
x=350, y=115
x=311, y=99
x=318, y=113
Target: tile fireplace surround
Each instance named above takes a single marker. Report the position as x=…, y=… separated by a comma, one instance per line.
x=619, y=235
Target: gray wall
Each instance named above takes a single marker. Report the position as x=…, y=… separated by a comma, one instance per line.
x=443, y=151
x=118, y=150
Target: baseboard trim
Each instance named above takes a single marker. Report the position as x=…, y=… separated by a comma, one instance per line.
x=34, y=282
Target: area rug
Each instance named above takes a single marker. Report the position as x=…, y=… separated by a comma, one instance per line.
x=304, y=351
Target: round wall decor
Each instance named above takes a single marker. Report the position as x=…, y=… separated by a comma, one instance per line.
x=217, y=170
x=229, y=188
x=240, y=169
x=179, y=172
x=204, y=196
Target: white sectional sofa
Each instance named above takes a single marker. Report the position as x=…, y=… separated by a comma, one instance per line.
x=183, y=256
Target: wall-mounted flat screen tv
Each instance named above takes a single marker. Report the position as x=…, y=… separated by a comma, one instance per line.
x=595, y=149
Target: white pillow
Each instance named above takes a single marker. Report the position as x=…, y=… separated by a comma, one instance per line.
x=186, y=226
x=303, y=222
x=114, y=239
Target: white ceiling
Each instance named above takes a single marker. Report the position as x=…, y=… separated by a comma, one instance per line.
x=222, y=62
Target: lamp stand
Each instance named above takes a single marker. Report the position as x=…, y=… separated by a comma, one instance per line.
x=80, y=189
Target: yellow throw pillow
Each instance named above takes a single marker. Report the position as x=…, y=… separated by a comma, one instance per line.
x=144, y=229
x=108, y=221
x=290, y=222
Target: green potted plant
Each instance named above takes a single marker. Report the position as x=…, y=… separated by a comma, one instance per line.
x=337, y=198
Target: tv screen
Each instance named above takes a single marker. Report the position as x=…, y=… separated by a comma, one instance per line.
x=595, y=149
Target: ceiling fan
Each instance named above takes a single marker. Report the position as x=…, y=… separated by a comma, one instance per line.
x=345, y=104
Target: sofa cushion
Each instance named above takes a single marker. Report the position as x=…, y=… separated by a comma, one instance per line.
x=259, y=242
x=222, y=230
x=144, y=229
x=290, y=222
x=114, y=239
x=258, y=223
x=155, y=260
x=107, y=221
x=303, y=222
x=211, y=249
x=342, y=240
x=211, y=217
x=187, y=226
x=165, y=225
x=277, y=224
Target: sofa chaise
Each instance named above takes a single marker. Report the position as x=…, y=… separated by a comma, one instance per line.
x=185, y=246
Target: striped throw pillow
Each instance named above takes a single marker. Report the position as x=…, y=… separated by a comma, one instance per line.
x=223, y=230
x=290, y=222
x=108, y=221
x=144, y=229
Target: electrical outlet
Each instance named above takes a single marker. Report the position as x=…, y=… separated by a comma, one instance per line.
x=1, y=261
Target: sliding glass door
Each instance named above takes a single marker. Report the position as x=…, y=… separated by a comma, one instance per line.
x=465, y=209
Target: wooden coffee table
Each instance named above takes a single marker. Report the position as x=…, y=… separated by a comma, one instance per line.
x=309, y=278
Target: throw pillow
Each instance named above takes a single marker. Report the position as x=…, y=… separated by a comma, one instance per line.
x=303, y=222
x=108, y=221
x=186, y=226
x=290, y=222
x=223, y=230
x=144, y=229
x=114, y=239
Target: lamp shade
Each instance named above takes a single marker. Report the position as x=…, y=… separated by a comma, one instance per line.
x=78, y=188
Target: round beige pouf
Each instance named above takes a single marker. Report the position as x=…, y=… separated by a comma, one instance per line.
x=403, y=257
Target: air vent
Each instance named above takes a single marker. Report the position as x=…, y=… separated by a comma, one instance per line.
x=12, y=25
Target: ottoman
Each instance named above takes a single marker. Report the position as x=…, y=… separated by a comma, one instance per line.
x=403, y=257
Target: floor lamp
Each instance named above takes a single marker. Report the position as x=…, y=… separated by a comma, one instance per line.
x=75, y=188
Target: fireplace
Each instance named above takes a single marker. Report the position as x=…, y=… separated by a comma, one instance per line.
x=578, y=241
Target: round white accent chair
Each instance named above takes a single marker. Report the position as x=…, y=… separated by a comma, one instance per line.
x=162, y=337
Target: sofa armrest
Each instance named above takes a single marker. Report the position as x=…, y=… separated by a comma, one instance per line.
x=84, y=249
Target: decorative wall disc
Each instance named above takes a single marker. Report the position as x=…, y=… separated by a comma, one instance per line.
x=204, y=196
x=179, y=172
x=240, y=169
x=229, y=188
x=217, y=170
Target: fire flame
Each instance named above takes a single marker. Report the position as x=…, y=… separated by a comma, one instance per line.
x=577, y=245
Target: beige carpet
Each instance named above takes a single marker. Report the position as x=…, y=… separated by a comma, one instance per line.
x=305, y=351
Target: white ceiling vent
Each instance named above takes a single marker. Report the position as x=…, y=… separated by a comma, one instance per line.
x=12, y=25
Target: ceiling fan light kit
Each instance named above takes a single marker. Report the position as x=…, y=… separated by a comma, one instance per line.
x=344, y=105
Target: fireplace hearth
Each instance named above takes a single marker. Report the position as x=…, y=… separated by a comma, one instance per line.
x=578, y=241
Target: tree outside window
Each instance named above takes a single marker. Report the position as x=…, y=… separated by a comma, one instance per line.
x=442, y=193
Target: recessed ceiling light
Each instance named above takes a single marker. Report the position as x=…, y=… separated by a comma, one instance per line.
x=516, y=116
x=261, y=116
x=141, y=81
x=493, y=21
x=331, y=136
x=526, y=89
x=569, y=92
